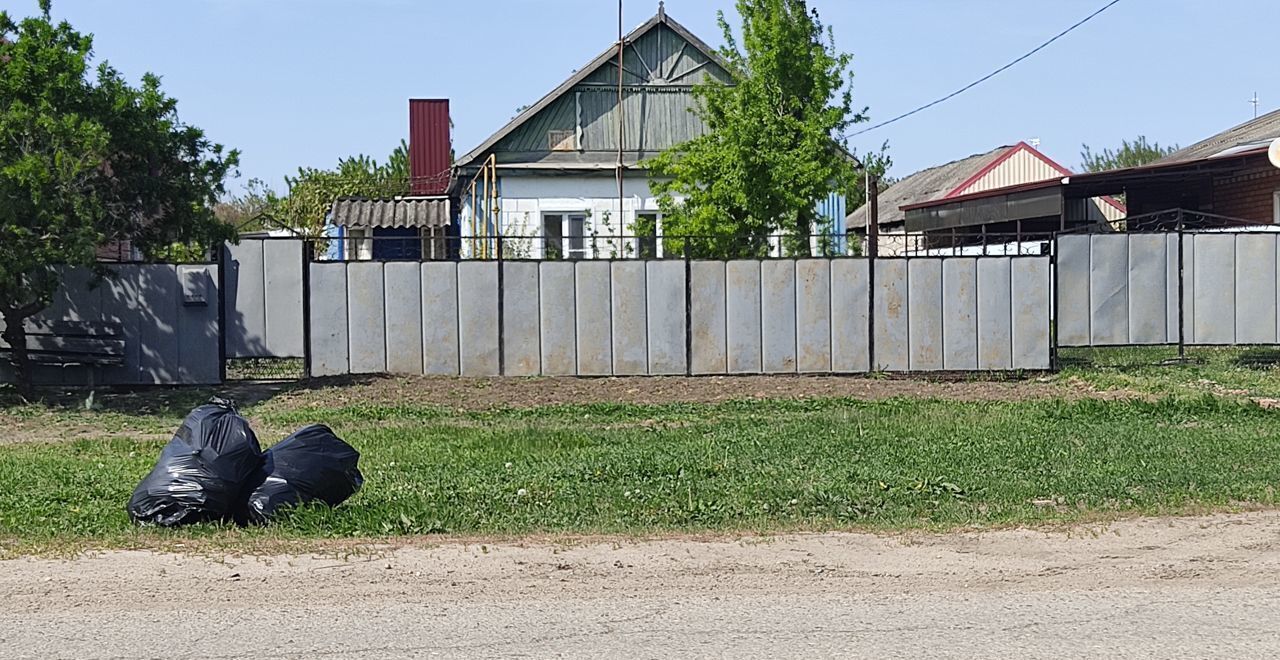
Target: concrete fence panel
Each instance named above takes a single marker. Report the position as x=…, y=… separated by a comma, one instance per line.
x=744, y=323
x=441, y=349
x=778, y=316
x=478, y=318
x=594, y=307
x=521, y=322
x=960, y=314
x=665, y=314
x=402, y=288
x=707, y=314
x=892, y=333
x=850, y=316
x=925, y=315
x=629, y=304
x=813, y=315
x=557, y=307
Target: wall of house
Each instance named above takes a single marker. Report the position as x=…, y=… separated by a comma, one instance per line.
x=524, y=200
x=1249, y=196
x=1021, y=167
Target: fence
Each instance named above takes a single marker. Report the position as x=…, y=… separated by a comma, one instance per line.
x=169, y=314
x=666, y=317
x=1175, y=280
x=977, y=302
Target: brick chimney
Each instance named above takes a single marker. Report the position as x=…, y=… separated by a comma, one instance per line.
x=429, y=146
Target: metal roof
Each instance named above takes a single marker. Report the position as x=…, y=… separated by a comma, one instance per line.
x=1255, y=132
x=396, y=212
x=925, y=186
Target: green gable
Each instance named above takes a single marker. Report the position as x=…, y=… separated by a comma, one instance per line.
x=576, y=126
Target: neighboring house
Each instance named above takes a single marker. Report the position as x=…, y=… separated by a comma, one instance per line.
x=410, y=228
x=1226, y=175
x=551, y=172
x=1003, y=166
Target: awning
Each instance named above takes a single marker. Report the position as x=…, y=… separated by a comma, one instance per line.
x=393, y=212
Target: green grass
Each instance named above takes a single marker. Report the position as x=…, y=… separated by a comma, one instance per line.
x=1228, y=372
x=758, y=466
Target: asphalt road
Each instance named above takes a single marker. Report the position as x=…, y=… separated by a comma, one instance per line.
x=1184, y=588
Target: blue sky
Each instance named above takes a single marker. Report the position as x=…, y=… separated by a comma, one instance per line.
x=304, y=82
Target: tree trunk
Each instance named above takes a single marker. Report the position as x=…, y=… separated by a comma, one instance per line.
x=15, y=335
x=804, y=228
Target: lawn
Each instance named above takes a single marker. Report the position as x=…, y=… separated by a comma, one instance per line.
x=758, y=466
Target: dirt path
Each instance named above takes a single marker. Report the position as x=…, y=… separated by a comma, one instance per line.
x=485, y=393
x=1193, y=587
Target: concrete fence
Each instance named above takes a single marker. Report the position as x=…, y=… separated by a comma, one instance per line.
x=622, y=318
x=1123, y=289
x=169, y=317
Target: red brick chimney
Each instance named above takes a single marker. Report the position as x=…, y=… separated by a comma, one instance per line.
x=429, y=146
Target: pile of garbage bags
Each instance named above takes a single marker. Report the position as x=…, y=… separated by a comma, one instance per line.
x=214, y=470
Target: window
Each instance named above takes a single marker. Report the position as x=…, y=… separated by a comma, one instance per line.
x=562, y=140
x=646, y=231
x=1275, y=206
x=358, y=246
x=563, y=235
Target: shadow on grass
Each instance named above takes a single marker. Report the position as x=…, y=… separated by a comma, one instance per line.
x=169, y=401
x=1258, y=358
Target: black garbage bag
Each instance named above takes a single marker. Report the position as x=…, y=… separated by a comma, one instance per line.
x=202, y=472
x=312, y=465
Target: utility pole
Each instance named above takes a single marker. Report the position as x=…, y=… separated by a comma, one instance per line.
x=621, y=120
x=1255, y=103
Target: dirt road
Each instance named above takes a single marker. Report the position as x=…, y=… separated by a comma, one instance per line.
x=1195, y=587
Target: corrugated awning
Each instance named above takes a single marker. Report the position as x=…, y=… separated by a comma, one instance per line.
x=394, y=212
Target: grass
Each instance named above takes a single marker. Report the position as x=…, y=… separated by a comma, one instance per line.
x=1231, y=372
x=758, y=466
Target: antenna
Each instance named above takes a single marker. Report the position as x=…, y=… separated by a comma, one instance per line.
x=1255, y=102
x=1034, y=142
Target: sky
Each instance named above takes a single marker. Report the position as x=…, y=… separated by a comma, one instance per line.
x=305, y=82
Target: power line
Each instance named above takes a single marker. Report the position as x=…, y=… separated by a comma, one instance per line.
x=989, y=76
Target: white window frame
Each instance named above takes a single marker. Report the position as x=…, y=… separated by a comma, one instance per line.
x=359, y=244
x=566, y=220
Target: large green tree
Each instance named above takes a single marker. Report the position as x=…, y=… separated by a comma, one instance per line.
x=772, y=149
x=1128, y=154
x=86, y=160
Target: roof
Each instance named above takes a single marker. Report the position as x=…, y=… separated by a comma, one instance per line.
x=928, y=185
x=396, y=212
x=1257, y=132
x=582, y=74
x=1095, y=184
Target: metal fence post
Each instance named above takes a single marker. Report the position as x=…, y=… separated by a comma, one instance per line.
x=1182, y=321
x=502, y=343
x=688, y=312
x=222, y=312
x=873, y=251
x=308, y=254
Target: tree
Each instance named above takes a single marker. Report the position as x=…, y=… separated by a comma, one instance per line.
x=1130, y=154
x=87, y=160
x=248, y=211
x=310, y=193
x=771, y=150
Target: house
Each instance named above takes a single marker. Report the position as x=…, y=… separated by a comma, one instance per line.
x=413, y=227
x=1224, y=180
x=548, y=181
x=1003, y=166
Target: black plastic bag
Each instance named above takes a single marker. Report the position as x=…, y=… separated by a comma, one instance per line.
x=202, y=472
x=312, y=465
